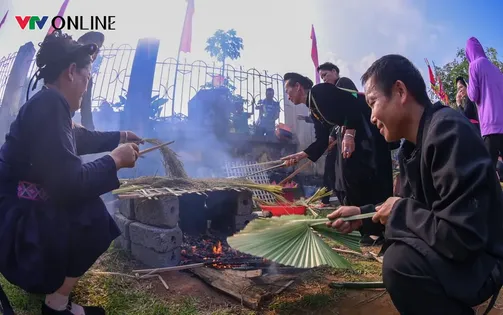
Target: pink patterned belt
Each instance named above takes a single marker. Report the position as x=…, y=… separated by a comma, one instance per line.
x=30, y=191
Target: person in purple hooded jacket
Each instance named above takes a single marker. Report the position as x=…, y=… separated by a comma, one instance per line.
x=485, y=88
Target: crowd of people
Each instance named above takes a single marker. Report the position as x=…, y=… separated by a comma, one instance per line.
x=443, y=226
x=442, y=230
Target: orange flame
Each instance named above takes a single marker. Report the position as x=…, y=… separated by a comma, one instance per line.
x=217, y=249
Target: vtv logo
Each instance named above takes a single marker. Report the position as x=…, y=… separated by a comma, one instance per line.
x=31, y=21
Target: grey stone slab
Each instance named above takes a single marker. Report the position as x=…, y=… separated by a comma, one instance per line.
x=154, y=259
x=159, y=239
x=164, y=212
x=123, y=223
x=126, y=208
x=243, y=220
x=122, y=243
x=244, y=203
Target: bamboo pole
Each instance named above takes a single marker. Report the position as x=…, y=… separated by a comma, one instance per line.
x=166, y=269
x=297, y=171
x=159, y=146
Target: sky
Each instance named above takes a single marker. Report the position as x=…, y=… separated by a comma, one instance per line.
x=276, y=33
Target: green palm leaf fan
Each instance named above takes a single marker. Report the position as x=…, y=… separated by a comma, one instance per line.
x=294, y=240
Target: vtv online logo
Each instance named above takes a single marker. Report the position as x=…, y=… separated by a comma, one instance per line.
x=31, y=21
x=69, y=22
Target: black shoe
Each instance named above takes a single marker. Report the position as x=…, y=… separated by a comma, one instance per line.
x=366, y=240
x=88, y=310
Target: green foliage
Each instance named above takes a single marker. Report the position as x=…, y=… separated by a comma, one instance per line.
x=223, y=45
x=155, y=106
x=459, y=67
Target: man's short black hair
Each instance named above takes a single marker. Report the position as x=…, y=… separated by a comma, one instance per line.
x=328, y=66
x=292, y=78
x=462, y=80
x=391, y=68
x=269, y=89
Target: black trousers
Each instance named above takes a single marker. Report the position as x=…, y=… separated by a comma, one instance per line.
x=494, y=144
x=329, y=173
x=413, y=287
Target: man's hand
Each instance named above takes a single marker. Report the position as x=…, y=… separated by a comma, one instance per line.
x=343, y=226
x=294, y=158
x=331, y=143
x=384, y=210
x=130, y=137
x=348, y=144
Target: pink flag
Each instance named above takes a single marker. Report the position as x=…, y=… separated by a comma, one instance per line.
x=186, y=41
x=314, y=53
x=4, y=19
x=60, y=13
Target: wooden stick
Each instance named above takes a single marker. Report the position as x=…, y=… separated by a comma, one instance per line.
x=175, y=268
x=256, y=164
x=297, y=171
x=155, y=147
x=264, y=170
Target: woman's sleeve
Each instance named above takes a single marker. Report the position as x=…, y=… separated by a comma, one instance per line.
x=53, y=156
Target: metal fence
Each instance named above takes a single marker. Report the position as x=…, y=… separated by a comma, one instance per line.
x=250, y=84
x=112, y=71
x=6, y=64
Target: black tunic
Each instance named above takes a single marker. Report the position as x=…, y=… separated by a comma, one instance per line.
x=43, y=241
x=367, y=175
x=451, y=206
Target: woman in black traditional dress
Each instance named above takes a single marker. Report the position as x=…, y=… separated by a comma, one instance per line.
x=53, y=223
x=367, y=172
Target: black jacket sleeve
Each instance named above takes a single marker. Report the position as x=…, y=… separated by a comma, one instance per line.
x=89, y=142
x=346, y=83
x=462, y=173
x=470, y=110
x=317, y=148
x=53, y=156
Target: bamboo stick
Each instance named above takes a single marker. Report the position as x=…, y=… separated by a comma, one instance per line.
x=264, y=170
x=297, y=171
x=256, y=164
x=165, y=269
x=155, y=147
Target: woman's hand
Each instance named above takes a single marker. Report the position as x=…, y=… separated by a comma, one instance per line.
x=348, y=144
x=293, y=159
x=125, y=155
x=130, y=137
x=341, y=225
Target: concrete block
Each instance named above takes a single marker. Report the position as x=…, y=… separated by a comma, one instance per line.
x=123, y=223
x=243, y=220
x=122, y=243
x=126, y=208
x=153, y=259
x=158, y=239
x=163, y=213
x=244, y=203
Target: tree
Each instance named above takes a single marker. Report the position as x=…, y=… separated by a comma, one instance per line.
x=223, y=45
x=459, y=67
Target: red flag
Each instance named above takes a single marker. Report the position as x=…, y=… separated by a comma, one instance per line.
x=60, y=13
x=433, y=82
x=186, y=41
x=4, y=19
x=314, y=53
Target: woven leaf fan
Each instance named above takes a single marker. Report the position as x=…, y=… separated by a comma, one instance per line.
x=294, y=240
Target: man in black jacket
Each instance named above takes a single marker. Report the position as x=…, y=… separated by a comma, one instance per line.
x=445, y=231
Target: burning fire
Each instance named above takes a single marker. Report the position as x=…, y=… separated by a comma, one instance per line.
x=217, y=250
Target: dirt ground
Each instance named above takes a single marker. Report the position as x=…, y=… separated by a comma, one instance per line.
x=310, y=294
